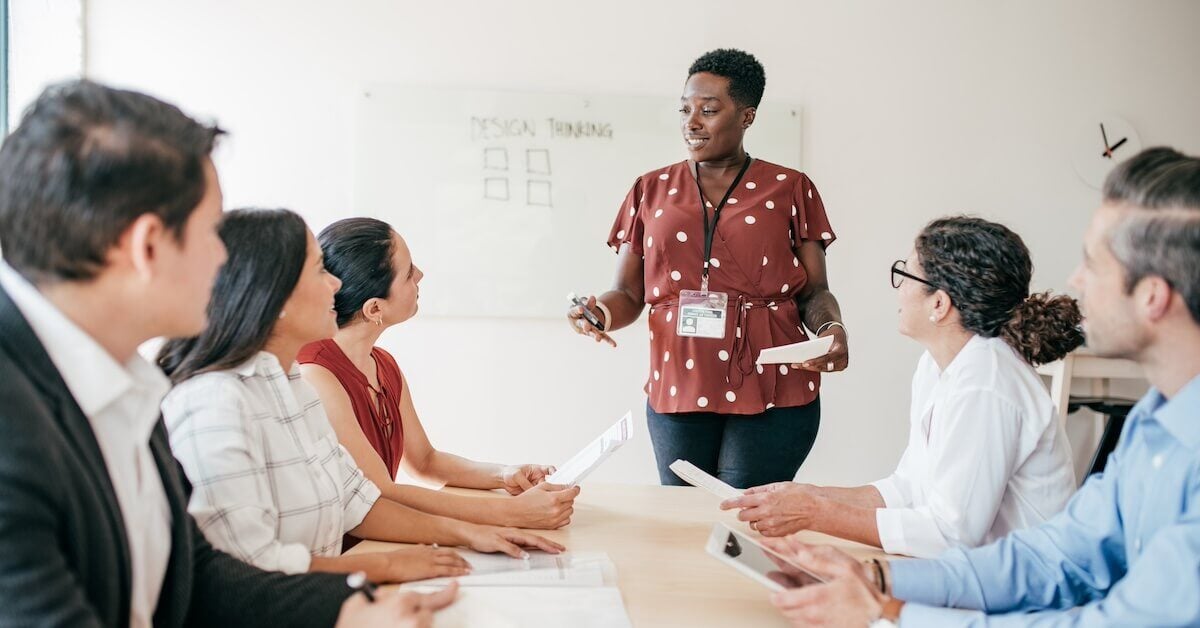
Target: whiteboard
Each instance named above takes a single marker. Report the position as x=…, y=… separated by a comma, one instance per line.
x=506, y=198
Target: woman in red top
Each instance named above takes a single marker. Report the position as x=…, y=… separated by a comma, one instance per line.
x=370, y=405
x=753, y=234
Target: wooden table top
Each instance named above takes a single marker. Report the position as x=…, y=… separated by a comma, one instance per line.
x=655, y=535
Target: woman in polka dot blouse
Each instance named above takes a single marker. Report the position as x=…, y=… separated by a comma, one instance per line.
x=708, y=402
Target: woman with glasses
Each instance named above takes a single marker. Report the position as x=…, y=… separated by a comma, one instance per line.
x=986, y=452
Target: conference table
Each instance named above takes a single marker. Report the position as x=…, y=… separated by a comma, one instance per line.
x=655, y=535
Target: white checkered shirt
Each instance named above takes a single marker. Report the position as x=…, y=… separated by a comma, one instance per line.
x=272, y=486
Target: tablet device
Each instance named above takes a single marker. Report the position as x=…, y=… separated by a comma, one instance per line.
x=590, y=457
x=755, y=561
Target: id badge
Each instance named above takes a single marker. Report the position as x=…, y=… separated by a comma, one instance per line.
x=702, y=314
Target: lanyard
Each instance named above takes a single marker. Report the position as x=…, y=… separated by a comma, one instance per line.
x=709, y=234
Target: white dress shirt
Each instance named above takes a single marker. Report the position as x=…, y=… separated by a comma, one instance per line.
x=986, y=455
x=271, y=484
x=122, y=404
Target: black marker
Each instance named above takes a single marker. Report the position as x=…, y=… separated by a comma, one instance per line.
x=587, y=313
x=358, y=581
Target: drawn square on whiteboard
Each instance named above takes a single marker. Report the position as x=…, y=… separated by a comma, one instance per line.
x=537, y=194
x=537, y=161
x=495, y=189
x=495, y=158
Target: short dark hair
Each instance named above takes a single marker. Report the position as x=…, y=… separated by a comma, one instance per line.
x=747, y=79
x=84, y=163
x=1163, y=239
x=985, y=268
x=267, y=249
x=358, y=251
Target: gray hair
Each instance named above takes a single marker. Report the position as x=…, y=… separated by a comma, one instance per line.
x=1163, y=238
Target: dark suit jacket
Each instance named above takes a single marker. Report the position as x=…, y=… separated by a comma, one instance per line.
x=64, y=555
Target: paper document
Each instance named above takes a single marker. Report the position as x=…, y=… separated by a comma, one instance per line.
x=591, y=456
x=534, y=607
x=569, y=569
x=695, y=476
x=796, y=353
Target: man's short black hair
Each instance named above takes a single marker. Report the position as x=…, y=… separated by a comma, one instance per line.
x=85, y=162
x=747, y=79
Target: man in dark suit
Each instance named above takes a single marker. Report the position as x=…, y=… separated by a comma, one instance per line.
x=109, y=204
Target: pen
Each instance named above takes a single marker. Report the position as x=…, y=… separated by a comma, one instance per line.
x=587, y=313
x=358, y=581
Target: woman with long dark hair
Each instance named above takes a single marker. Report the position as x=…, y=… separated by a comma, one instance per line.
x=986, y=450
x=271, y=484
x=371, y=406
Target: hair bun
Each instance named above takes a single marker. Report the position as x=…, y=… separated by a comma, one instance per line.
x=1044, y=328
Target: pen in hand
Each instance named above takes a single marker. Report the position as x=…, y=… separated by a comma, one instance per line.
x=591, y=318
x=358, y=581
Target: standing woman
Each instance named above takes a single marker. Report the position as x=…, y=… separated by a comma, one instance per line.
x=729, y=252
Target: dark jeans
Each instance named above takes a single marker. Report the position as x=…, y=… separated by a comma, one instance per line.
x=741, y=450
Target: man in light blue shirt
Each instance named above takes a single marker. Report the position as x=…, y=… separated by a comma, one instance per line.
x=1126, y=551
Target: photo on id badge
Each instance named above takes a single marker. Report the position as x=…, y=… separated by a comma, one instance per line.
x=702, y=314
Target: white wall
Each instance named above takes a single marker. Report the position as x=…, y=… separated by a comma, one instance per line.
x=912, y=110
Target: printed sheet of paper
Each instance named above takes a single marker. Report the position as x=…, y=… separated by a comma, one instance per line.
x=569, y=569
x=535, y=607
x=796, y=353
x=695, y=476
x=590, y=457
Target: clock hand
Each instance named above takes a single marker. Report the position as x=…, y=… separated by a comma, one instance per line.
x=1107, y=150
x=1117, y=145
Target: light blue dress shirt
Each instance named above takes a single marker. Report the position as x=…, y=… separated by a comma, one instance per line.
x=1126, y=551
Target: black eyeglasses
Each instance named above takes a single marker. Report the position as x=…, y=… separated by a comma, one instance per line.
x=898, y=269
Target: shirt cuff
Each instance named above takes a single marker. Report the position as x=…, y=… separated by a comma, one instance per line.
x=892, y=497
x=294, y=558
x=891, y=531
x=921, y=616
x=918, y=582
x=363, y=498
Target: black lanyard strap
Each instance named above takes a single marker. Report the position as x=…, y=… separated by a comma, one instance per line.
x=709, y=234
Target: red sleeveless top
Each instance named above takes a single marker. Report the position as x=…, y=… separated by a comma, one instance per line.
x=377, y=411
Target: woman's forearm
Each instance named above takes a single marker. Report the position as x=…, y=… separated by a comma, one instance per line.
x=391, y=521
x=854, y=523
x=860, y=496
x=624, y=307
x=372, y=564
x=821, y=307
x=451, y=470
x=474, y=509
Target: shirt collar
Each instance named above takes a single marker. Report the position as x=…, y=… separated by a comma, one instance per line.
x=94, y=378
x=1180, y=415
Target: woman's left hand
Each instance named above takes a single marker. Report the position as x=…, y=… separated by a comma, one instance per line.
x=520, y=478
x=838, y=357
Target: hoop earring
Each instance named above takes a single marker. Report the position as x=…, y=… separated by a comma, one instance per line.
x=379, y=322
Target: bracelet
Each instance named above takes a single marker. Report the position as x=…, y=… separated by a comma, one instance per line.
x=607, y=314
x=879, y=576
x=828, y=325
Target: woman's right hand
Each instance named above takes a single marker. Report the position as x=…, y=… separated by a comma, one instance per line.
x=419, y=562
x=581, y=325
x=494, y=539
x=545, y=506
x=404, y=609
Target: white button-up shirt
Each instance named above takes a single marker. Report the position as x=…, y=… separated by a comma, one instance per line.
x=986, y=455
x=121, y=402
x=271, y=484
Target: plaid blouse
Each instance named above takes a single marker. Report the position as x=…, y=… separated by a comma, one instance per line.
x=271, y=484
